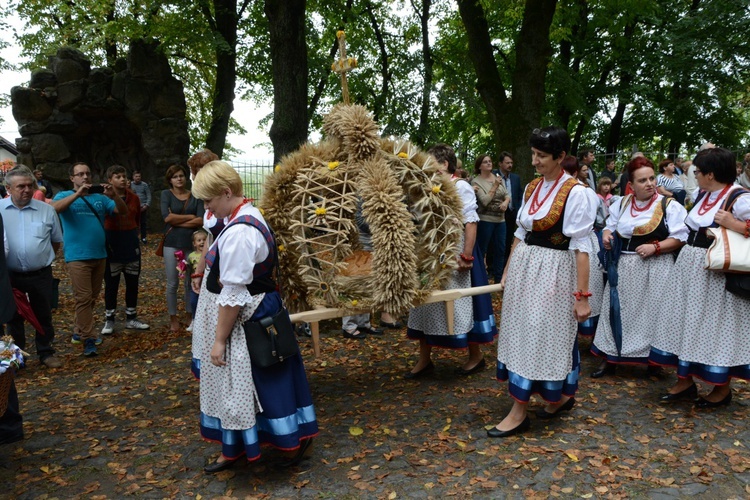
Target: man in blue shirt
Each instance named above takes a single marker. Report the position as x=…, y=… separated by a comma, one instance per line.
x=34, y=236
x=82, y=214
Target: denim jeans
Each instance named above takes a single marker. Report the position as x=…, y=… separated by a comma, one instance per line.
x=492, y=233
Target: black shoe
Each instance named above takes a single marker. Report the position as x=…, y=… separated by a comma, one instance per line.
x=567, y=406
x=414, y=375
x=394, y=326
x=356, y=334
x=299, y=456
x=689, y=393
x=477, y=368
x=704, y=403
x=12, y=439
x=522, y=427
x=215, y=467
x=609, y=369
x=371, y=331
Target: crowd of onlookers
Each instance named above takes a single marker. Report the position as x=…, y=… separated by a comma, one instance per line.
x=100, y=227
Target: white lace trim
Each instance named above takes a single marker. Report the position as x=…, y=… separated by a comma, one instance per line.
x=235, y=295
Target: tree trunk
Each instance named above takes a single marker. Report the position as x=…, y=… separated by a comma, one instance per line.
x=512, y=120
x=286, y=20
x=422, y=136
x=615, y=128
x=380, y=100
x=224, y=26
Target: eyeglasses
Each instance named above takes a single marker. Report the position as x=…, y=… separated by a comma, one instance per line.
x=540, y=133
x=82, y=174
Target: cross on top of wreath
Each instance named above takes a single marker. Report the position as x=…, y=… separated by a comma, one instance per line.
x=343, y=65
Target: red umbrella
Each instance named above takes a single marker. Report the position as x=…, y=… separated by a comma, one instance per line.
x=24, y=309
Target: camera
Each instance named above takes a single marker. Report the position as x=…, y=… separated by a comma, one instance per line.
x=97, y=189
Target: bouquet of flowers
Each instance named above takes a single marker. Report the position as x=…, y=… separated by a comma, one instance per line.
x=10, y=355
x=182, y=263
x=11, y=358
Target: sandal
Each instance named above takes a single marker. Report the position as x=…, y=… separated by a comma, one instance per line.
x=356, y=334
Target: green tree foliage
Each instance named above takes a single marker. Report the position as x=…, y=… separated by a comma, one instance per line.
x=664, y=75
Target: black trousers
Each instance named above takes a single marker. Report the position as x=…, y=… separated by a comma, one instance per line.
x=38, y=286
x=132, y=271
x=11, y=422
x=144, y=225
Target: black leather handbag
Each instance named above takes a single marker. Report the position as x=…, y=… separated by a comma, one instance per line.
x=738, y=284
x=271, y=340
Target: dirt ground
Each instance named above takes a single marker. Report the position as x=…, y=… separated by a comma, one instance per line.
x=126, y=423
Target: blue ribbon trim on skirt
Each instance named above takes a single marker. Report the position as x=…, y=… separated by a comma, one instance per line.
x=716, y=375
x=588, y=328
x=283, y=433
x=611, y=358
x=662, y=358
x=522, y=389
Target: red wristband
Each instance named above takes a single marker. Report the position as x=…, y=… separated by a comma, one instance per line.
x=196, y=275
x=580, y=294
x=747, y=228
x=469, y=258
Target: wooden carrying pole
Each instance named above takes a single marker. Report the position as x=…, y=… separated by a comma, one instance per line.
x=315, y=316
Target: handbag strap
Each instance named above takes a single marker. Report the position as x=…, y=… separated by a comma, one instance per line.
x=96, y=214
x=732, y=197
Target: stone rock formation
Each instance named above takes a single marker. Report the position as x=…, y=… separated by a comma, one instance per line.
x=131, y=115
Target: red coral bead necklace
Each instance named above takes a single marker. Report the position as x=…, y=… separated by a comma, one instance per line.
x=635, y=208
x=706, y=206
x=535, y=203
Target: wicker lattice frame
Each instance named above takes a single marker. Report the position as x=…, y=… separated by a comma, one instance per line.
x=413, y=211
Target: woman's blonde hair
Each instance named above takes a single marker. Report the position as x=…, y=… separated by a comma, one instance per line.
x=214, y=178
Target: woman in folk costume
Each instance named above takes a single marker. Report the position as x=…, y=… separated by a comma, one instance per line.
x=546, y=288
x=243, y=405
x=705, y=333
x=474, y=320
x=649, y=227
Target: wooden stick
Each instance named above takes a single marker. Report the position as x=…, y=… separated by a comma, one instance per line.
x=448, y=296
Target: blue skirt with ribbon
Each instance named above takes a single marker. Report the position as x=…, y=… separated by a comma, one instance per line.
x=288, y=415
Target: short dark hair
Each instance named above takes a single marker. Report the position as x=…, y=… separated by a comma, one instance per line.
x=637, y=163
x=570, y=165
x=584, y=153
x=503, y=156
x=663, y=165
x=72, y=169
x=136, y=171
x=552, y=140
x=116, y=169
x=173, y=170
x=478, y=162
x=443, y=152
x=718, y=161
